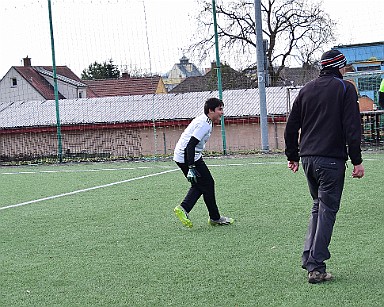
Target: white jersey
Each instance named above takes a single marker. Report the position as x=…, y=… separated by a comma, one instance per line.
x=200, y=128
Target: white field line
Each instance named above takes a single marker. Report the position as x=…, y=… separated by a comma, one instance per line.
x=115, y=183
x=125, y=168
x=141, y=167
x=85, y=190
x=75, y=171
x=105, y=185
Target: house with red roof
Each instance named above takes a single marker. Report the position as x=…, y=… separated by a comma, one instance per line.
x=29, y=83
x=126, y=86
x=231, y=80
x=35, y=83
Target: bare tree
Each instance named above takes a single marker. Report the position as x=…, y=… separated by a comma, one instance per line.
x=295, y=30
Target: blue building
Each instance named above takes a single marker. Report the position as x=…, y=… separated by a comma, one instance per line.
x=363, y=52
x=368, y=65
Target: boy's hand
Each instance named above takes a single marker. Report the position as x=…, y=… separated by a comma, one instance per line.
x=192, y=174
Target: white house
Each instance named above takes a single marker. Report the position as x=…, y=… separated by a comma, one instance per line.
x=28, y=83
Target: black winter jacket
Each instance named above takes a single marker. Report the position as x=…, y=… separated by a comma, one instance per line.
x=326, y=115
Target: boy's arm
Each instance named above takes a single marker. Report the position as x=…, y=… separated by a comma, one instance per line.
x=190, y=151
x=190, y=159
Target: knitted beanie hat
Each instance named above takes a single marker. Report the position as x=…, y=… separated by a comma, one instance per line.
x=333, y=59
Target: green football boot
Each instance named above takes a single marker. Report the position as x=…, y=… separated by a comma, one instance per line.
x=183, y=216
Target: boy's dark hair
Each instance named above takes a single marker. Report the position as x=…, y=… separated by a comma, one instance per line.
x=212, y=104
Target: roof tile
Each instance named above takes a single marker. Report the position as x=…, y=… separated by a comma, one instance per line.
x=124, y=86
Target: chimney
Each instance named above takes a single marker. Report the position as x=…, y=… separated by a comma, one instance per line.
x=125, y=75
x=27, y=62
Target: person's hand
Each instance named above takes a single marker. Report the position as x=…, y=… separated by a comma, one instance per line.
x=293, y=166
x=192, y=174
x=358, y=171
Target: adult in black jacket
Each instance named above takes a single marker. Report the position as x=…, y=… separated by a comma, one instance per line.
x=323, y=129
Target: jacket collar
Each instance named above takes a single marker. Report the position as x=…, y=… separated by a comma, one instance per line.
x=331, y=72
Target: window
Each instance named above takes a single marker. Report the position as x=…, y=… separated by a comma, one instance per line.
x=80, y=94
x=13, y=82
x=365, y=68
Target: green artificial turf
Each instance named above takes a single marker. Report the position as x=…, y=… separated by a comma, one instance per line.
x=121, y=245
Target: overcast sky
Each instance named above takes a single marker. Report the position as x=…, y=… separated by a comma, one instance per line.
x=146, y=35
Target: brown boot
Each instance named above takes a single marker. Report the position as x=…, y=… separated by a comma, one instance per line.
x=315, y=277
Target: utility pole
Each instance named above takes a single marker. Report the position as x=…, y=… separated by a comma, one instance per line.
x=59, y=143
x=261, y=77
x=219, y=84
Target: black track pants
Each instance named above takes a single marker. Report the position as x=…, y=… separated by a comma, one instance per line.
x=205, y=186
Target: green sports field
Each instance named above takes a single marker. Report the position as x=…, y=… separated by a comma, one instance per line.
x=104, y=234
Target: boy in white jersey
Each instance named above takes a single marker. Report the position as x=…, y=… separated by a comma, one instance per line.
x=188, y=156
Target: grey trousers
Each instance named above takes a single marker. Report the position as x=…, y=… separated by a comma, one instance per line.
x=325, y=177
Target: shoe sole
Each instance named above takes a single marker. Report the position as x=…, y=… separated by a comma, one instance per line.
x=317, y=281
x=183, y=217
x=220, y=224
